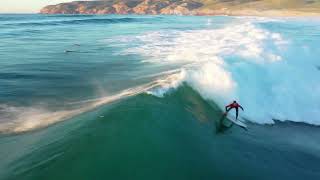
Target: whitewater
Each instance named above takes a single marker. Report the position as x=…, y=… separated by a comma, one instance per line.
x=263, y=69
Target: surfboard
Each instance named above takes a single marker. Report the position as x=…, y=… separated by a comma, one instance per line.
x=237, y=122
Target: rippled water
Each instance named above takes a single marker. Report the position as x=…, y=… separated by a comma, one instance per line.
x=140, y=97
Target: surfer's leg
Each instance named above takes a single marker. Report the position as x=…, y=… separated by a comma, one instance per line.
x=237, y=112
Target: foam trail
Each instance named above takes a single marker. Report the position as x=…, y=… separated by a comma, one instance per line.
x=21, y=119
x=240, y=61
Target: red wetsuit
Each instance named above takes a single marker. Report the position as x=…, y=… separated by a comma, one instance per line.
x=234, y=105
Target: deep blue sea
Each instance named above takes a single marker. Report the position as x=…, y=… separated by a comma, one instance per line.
x=141, y=97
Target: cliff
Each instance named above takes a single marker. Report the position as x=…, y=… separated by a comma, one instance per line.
x=189, y=7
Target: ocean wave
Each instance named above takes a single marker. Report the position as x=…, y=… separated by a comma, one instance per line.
x=242, y=61
x=77, y=22
x=68, y=15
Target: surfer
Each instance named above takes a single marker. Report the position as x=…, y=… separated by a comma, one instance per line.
x=221, y=125
x=68, y=51
x=234, y=105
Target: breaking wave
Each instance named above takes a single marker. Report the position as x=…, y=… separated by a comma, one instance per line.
x=241, y=61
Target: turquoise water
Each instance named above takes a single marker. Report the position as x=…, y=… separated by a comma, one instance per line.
x=140, y=97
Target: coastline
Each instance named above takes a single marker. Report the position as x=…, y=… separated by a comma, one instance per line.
x=186, y=8
x=265, y=13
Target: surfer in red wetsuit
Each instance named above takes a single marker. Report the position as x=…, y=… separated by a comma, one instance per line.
x=233, y=105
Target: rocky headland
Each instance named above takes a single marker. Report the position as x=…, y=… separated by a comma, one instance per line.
x=190, y=7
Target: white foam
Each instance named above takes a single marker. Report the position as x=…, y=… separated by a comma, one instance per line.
x=212, y=81
x=205, y=45
x=167, y=84
x=241, y=61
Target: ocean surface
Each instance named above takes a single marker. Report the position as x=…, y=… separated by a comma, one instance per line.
x=141, y=97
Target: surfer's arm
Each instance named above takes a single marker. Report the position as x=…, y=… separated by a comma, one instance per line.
x=228, y=107
x=241, y=107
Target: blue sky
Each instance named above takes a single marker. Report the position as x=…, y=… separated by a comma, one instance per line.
x=25, y=6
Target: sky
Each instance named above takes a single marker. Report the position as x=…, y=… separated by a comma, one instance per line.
x=26, y=6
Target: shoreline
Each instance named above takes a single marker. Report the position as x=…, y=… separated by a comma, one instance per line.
x=265, y=13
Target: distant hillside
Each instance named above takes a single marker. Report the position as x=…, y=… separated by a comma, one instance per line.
x=189, y=7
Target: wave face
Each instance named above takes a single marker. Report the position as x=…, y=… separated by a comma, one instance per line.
x=146, y=137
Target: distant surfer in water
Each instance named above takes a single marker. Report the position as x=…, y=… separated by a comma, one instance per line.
x=234, y=105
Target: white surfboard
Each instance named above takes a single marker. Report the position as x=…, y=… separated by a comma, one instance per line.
x=237, y=122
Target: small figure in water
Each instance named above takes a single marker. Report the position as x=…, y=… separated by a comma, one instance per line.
x=233, y=105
